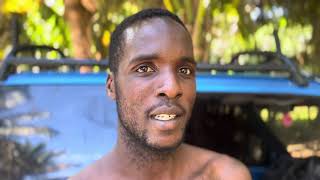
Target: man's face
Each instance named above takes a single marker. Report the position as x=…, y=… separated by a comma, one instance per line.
x=155, y=83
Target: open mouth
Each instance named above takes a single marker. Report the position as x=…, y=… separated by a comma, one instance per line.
x=167, y=113
x=164, y=117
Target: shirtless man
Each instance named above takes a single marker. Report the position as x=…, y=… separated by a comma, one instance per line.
x=152, y=80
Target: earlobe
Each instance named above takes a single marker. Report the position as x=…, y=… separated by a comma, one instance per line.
x=110, y=86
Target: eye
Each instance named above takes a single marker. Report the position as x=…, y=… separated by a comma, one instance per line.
x=144, y=68
x=186, y=71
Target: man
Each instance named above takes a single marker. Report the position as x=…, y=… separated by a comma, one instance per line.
x=152, y=80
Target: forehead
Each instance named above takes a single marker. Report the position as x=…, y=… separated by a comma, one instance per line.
x=162, y=36
x=154, y=26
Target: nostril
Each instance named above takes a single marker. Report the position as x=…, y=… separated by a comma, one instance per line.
x=165, y=95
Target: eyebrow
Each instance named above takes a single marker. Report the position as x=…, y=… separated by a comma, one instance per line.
x=144, y=57
x=149, y=57
x=188, y=60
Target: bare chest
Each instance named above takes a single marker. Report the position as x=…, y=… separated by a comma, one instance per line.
x=200, y=173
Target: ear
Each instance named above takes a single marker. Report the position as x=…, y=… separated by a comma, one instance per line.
x=111, y=86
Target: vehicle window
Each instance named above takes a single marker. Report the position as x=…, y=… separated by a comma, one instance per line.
x=298, y=128
x=53, y=131
x=230, y=129
x=256, y=129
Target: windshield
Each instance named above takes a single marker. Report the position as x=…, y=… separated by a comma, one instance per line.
x=296, y=126
x=256, y=129
x=53, y=131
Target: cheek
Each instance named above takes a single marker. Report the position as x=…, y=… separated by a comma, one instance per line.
x=135, y=91
x=189, y=97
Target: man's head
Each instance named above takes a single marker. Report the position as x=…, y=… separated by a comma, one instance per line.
x=152, y=79
x=117, y=43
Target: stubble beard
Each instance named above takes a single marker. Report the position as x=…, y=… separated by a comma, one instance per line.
x=135, y=138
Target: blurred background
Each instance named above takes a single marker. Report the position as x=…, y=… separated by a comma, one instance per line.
x=82, y=30
x=220, y=28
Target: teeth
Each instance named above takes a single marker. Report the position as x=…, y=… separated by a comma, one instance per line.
x=164, y=117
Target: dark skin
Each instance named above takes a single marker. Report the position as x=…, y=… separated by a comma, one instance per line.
x=156, y=81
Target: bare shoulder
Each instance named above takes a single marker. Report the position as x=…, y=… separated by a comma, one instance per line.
x=227, y=168
x=219, y=166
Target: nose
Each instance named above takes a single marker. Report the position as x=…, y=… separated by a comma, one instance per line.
x=170, y=86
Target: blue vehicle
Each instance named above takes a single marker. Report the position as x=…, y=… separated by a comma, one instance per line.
x=55, y=120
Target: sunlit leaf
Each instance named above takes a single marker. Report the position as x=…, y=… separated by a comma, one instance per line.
x=18, y=6
x=168, y=5
x=106, y=38
x=282, y=22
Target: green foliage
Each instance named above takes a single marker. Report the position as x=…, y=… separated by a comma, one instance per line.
x=47, y=26
x=40, y=23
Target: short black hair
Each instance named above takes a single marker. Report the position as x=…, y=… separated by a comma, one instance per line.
x=117, y=37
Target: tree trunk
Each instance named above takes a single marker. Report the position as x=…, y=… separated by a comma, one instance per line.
x=78, y=15
x=316, y=42
x=197, y=30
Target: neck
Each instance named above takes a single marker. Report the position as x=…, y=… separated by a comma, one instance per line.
x=138, y=158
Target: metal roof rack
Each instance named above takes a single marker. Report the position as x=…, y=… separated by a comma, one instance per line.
x=270, y=65
x=33, y=49
x=12, y=61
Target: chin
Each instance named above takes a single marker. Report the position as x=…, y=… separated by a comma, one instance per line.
x=166, y=147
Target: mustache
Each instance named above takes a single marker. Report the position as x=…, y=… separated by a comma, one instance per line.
x=164, y=104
